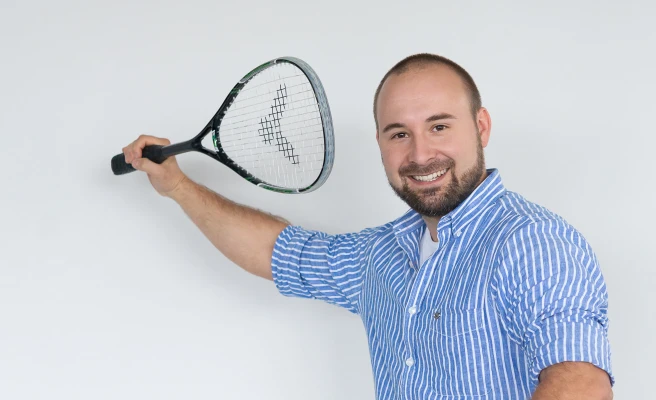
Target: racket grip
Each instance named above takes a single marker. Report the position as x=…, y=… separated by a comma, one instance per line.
x=152, y=152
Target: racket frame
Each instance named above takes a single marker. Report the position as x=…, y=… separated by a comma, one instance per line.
x=213, y=126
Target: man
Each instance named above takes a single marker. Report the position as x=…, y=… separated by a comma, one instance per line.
x=474, y=293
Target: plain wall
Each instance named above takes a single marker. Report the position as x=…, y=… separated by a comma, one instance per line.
x=108, y=291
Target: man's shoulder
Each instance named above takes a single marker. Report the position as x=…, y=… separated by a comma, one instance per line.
x=517, y=209
x=378, y=231
x=520, y=216
x=368, y=234
x=516, y=206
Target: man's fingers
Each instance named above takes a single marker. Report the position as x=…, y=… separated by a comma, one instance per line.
x=147, y=166
x=145, y=140
x=133, y=150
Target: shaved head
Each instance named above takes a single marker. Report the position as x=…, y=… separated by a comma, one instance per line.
x=418, y=61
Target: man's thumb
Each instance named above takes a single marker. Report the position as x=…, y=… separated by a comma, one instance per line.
x=145, y=165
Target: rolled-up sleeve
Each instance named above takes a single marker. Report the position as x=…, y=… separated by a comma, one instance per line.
x=316, y=265
x=552, y=296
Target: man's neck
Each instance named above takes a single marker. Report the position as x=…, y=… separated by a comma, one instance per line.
x=431, y=225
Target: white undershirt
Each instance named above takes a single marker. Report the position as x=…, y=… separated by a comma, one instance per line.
x=427, y=247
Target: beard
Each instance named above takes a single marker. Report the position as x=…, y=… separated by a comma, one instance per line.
x=437, y=202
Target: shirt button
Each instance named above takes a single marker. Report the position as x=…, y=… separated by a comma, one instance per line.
x=410, y=362
x=412, y=310
x=458, y=233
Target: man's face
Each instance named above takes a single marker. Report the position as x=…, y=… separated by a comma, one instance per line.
x=431, y=145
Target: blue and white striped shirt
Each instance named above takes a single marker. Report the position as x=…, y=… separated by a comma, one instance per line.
x=511, y=289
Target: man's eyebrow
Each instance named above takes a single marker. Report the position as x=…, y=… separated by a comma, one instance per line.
x=432, y=118
x=393, y=126
x=439, y=116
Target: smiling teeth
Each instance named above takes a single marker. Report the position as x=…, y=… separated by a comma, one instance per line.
x=431, y=177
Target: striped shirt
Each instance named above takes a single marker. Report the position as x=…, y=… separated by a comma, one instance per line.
x=511, y=289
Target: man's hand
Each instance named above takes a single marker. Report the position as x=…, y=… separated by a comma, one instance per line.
x=573, y=380
x=165, y=177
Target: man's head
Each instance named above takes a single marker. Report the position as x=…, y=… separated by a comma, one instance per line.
x=431, y=130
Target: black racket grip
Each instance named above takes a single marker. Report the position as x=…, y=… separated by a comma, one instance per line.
x=152, y=152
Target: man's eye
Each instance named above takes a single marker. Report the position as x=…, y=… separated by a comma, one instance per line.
x=399, y=135
x=439, y=127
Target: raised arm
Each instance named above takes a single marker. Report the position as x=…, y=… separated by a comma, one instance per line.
x=245, y=235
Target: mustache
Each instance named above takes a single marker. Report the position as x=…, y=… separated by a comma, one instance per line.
x=416, y=169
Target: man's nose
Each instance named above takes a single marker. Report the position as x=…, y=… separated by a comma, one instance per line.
x=422, y=151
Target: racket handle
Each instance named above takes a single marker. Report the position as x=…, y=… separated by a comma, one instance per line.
x=152, y=152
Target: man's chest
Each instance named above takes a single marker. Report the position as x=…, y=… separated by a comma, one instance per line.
x=435, y=319
x=455, y=277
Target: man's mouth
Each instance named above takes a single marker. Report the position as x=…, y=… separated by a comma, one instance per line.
x=429, y=177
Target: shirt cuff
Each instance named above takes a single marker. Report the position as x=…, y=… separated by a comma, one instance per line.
x=571, y=341
x=285, y=261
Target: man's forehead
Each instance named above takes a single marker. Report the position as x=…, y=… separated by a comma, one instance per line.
x=421, y=79
x=414, y=88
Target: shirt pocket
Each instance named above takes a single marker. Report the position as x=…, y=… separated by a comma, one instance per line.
x=461, y=357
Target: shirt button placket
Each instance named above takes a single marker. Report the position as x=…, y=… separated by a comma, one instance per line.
x=409, y=361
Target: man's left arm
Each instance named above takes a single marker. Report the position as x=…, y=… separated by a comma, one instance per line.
x=573, y=380
x=553, y=302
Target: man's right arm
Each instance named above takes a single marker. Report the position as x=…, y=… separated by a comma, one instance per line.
x=244, y=235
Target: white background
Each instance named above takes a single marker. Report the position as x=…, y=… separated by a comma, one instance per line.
x=108, y=291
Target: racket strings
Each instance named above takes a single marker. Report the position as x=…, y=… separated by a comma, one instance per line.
x=303, y=125
x=259, y=111
x=274, y=130
x=270, y=126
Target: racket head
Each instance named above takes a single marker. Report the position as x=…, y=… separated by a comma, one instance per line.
x=275, y=128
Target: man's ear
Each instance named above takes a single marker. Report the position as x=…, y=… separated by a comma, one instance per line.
x=484, y=125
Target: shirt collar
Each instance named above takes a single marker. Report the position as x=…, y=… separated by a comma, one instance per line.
x=484, y=196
